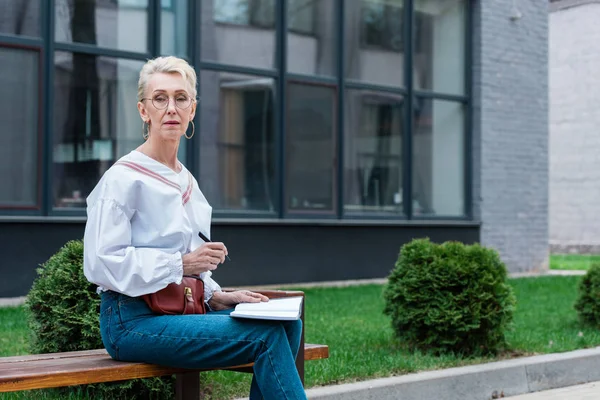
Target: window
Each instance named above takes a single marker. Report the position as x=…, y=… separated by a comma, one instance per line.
x=96, y=121
x=19, y=116
x=311, y=38
x=20, y=17
x=102, y=23
x=439, y=59
x=310, y=148
x=261, y=13
x=374, y=42
x=382, y=24
x=237, y=152
x=241, y=32
x=438, y=158
x=173, y=28
x=373, y=152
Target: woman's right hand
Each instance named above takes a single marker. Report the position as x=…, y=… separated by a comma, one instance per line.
x=205, y=258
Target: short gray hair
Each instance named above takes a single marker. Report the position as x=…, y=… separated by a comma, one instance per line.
x=167, y=64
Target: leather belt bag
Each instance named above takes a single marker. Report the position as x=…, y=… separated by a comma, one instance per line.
x=178, y=299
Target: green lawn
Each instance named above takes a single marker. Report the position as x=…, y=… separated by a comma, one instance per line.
x=361, y=343
x=573, y=261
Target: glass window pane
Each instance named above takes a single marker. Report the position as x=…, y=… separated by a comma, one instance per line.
x=439, y=45
x=375, y=41
x=438, y=158
x=237, y=141
x=238, y=32
x=373, y=129
x=118, y=25
x=312, y=47
x=173, y=29
x=19, y=96
x=96, y=121
x=19, y=17
x=310, y=148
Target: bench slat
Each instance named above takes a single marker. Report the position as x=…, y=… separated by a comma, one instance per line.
x=53, y=356
x=93, y=366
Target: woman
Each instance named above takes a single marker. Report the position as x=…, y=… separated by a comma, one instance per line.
x=144, y=216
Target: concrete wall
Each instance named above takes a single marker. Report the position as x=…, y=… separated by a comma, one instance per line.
x=574, y=120
x=510, y=129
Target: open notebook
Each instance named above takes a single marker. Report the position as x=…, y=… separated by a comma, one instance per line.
x=288, y=308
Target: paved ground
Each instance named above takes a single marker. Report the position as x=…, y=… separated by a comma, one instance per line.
x=589, y=391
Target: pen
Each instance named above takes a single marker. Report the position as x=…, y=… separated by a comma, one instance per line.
x=208, y=241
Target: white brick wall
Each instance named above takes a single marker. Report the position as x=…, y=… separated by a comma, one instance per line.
x=510, y=129
x=574, y=48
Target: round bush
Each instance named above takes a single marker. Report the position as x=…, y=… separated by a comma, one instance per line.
x=588, y=301
x=63, y=310
x=450, y=298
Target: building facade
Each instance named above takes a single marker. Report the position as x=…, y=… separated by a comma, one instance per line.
x=574, y=94
x=328, y=132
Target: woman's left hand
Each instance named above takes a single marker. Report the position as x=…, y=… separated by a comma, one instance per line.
x=224, y=300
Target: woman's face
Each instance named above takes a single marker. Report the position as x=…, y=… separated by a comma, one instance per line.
x=168, y=106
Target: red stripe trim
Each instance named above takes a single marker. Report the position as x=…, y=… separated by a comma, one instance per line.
x=188, y=192
x=148, y=172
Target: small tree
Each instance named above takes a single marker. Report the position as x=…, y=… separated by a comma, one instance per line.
x=588, y=302
x=63, y=310
x=450, y=298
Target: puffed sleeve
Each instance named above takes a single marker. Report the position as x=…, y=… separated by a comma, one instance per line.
x=111, y=262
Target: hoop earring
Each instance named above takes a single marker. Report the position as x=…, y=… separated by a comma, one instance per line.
x=193, y=131
x=145, y=132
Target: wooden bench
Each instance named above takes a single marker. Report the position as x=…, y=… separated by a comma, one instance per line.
x=42, y=371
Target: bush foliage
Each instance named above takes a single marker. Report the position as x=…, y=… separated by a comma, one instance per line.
x=588, y=300
x=450, y=298
x=63, y=310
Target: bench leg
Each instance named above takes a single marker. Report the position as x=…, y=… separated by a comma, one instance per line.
x=187, y=386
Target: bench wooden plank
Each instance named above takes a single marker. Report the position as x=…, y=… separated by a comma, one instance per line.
x=94, y=366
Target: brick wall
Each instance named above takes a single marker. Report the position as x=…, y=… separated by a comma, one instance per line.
x=575, y=127
x=510, y=129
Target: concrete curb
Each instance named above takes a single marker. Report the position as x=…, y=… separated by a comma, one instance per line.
x=476, y=382
x=12, y=301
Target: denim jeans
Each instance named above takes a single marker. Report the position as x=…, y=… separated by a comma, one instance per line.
x=131, y=332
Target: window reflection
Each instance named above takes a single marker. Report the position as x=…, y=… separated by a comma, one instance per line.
x=374, y=41
x=438, y=158
x=19, y=93
x=237, y=141
x=439, y=58
x=96, y=121
x=20, y=17
x=312, y=45
x=373, y=152
x=239, y=32
x=173, y=28
x=382, y=24
x=112, y=24
x=310, y=148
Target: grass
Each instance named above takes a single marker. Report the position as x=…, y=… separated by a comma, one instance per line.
x=573, y=261
x=361, y=341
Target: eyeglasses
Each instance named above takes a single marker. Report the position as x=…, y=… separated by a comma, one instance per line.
x=161, y=101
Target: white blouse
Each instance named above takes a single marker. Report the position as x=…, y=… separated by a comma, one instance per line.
x=142, y=218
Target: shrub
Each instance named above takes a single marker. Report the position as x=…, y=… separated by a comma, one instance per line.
x=588, y=301
x=63, y=310
x=450, y=298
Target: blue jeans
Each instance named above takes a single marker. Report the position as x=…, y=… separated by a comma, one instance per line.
x=131, y=332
